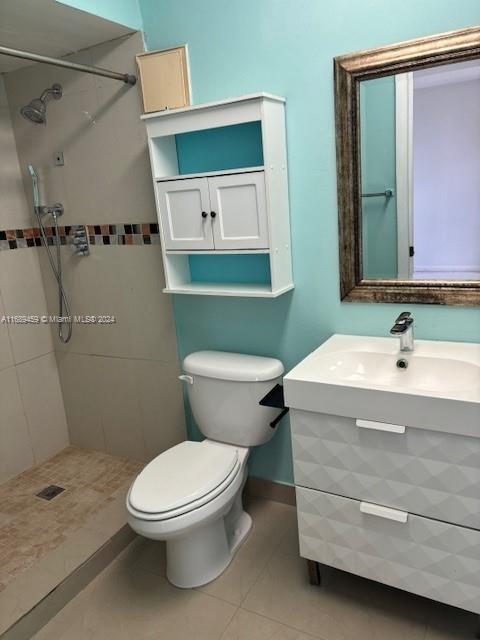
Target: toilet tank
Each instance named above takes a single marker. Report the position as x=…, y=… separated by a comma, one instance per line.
x=224, y=391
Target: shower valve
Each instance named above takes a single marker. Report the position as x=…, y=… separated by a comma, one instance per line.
x=80, y=240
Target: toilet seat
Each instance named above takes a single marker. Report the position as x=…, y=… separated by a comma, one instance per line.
x=182, y=479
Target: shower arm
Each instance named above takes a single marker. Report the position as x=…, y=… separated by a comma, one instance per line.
x=66, y=64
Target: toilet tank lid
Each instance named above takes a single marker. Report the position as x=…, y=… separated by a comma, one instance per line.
x=223, y=365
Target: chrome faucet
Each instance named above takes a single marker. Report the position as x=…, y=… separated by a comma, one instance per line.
x=403, y=329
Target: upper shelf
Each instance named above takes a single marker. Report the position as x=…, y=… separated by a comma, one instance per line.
x=166, y=113
x=209, y=174
x=197, y=117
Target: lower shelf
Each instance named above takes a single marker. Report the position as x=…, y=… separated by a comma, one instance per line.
x=234, y=289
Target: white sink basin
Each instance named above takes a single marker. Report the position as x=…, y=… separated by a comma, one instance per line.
x=424, y=373
x=358, y=376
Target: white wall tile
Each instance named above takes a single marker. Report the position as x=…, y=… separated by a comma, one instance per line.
x=127, y=282
x=120, y=407
x=14, y=212
x=16, y=453
x=43, y=402
x=161, y=405
x=119, y=381
x=23, y=294
x=82, y=399
x=3, y=93
x=6, y=355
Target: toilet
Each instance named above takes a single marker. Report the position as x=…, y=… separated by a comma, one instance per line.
x=190, y=496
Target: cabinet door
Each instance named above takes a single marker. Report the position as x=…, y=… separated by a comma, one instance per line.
x=185, y=214
x=239, y=213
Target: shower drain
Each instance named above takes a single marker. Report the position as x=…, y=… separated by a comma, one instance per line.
x=50, y=492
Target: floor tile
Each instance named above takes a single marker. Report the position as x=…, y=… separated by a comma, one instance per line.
x=269, y=529
x=149, y=555
x=249, y=626
x=31, y=528
x=132, y=600
x=335, y=611
x=125, y=602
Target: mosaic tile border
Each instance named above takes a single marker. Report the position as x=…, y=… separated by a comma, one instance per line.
x=138, y=233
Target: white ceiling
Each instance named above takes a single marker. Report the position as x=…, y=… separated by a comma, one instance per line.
x=50, y=28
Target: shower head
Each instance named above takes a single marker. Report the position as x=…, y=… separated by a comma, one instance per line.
x=36, y=110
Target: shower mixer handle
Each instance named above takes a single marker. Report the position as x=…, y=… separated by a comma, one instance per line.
x=56, y=209
x=80, y=240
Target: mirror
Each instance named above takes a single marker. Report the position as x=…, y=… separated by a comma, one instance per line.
x=420, y=174
x=408, y=158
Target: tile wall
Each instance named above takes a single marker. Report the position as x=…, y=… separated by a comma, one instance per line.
x=33, y=425
x=119, y=381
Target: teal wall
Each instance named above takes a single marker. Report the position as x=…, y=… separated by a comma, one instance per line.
x=286, y=47
x=125, y=12
x=233, y=147
x=377, y=135
x=245, y=268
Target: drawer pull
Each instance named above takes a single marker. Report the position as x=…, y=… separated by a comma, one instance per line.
x=380, y=426
x=383, y=512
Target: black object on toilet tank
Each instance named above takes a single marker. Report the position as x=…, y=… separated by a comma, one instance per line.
x=275, y=398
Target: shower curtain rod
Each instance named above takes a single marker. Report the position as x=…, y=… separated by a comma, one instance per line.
x=58, y=62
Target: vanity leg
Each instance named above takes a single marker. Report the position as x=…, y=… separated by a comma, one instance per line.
x=314, y=573
x=477, y=634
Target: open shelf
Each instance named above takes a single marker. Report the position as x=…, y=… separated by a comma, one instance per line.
x=207, y=174
x=216, y=252
x=220, y=289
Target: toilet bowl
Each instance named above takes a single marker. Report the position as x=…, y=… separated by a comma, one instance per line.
x=190, y=496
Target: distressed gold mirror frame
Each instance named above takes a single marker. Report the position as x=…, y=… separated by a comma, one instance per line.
x=350, y=70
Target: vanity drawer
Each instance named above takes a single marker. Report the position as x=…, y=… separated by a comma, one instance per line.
x=430, y=558
x=424, y=472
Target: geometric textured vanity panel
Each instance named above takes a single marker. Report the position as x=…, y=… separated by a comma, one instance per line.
x=430, y=558
x=424, y=472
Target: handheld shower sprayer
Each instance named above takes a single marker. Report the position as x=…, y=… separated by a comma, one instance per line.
x=55, y=211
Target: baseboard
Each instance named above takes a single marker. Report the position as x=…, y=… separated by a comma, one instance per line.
x=46, y=609
x=276, y=491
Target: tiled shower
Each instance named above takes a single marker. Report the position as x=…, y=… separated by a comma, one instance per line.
x=109, y=399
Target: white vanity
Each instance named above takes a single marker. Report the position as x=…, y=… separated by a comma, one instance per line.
x=387, y=463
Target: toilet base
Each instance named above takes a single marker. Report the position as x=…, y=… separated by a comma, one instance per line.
x=201, y=556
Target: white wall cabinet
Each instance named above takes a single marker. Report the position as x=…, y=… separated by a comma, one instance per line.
x=184, y=207
x=241, y=214
x=221, y=212
x=249, y=203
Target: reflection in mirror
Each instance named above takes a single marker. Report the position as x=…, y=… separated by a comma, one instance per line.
x=420, y=174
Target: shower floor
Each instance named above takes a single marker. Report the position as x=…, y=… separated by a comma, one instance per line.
x=94, y=483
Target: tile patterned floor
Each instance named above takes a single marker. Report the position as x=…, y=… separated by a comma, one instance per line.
x=263, y=595
x=31, y=527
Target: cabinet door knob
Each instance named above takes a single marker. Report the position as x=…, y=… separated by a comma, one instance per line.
x=204, y=214
x=213, y=214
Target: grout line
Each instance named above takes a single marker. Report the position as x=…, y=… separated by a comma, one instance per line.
x=273, y=552
x=288, y=626
x=234, y=613
x=27, y=421
x=41, y=355
x=114, y=357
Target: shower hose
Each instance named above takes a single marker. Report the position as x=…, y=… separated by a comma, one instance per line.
x=55, y=262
